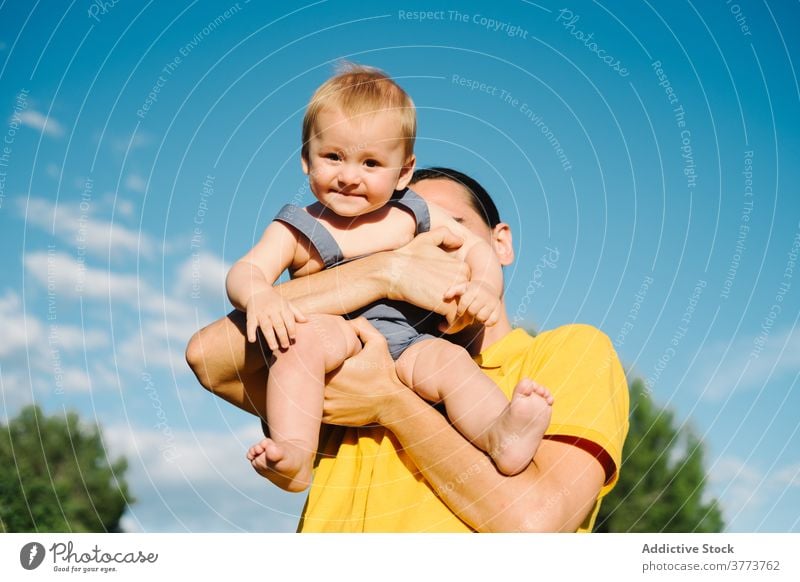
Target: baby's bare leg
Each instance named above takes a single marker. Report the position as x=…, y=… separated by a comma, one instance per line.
x=509, y=431
x=294, y=399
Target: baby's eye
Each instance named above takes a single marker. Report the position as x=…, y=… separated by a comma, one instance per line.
x=332, y=156
x=372, y=163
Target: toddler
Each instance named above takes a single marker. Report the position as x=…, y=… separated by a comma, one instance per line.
x=358, y=138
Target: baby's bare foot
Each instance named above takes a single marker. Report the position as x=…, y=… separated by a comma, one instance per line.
x=515, y=435
x=287, y=464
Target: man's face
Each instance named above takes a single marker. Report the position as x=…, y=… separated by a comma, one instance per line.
x=453, y=199
x=456, y=201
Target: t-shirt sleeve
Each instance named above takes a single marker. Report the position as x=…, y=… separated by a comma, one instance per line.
x=579, y=365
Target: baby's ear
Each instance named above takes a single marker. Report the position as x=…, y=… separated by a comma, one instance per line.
x=304, y=163
x=406, y=172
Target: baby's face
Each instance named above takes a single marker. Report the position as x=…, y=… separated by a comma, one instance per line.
x=355, y=164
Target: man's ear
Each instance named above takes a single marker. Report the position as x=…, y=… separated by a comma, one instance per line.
x=503, y=244
x=406, y=172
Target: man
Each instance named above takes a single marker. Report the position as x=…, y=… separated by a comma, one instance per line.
x=413, y=471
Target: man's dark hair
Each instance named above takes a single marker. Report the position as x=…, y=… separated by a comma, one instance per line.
x=479, y=197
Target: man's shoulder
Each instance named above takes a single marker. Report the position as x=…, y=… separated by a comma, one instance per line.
x=581, y=330
x=576, y=335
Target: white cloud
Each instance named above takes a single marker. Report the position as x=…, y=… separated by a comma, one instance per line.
x=157, y=350
x=140, y=139
x=199, y=287
x=20, y=332
x=199, y=481
x=740, y=478
x=135, y=183
x=129, y=524
x=166, y=321
x=167, y=318
x=39, y=350
x=125, y=207
x=196, y=480
x=202, y=276
x=739, y=371
x=73, y=338
x=23, y=331
x=788, y=476
x=53, y=170
x=746, y=492
x=39, y=121
x=70, y=278
x=172, y=455
x=74, y=380
x=80, y=228
x=15, y=392
x=737, y=485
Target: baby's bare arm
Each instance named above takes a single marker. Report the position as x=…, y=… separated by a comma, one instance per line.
x=262, y=265
x=249, y=286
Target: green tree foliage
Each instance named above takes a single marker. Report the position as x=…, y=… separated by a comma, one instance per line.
x=55, y=476
x=662, y=482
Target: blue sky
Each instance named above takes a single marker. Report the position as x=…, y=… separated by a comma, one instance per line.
x=649, y=150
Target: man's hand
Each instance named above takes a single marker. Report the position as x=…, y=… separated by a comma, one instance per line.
x=422, y=271
x=275, y=316
x=365, y=384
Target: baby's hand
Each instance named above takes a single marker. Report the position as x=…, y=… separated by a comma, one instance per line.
x=477, y=300
x=275, y=316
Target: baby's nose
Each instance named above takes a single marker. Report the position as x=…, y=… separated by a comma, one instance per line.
x=349, y=175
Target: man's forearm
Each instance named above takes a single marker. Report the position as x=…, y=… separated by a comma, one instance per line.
x=465, y=478
x=419, y=273
x=340, y=290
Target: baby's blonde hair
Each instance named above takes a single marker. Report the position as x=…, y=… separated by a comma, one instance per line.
x=358, y=90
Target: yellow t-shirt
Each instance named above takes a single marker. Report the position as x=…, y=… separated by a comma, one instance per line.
x=363, y=484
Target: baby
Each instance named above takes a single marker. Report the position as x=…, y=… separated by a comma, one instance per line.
x=358, y=139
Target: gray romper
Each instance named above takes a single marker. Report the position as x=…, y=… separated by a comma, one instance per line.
x=402, y=324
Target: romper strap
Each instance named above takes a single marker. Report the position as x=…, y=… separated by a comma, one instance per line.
x=318, y=235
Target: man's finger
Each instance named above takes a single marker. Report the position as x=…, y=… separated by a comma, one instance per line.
x=299, y=316
x=443, y=237
x=365, y=331
x=291, y=326
x=455, y=291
